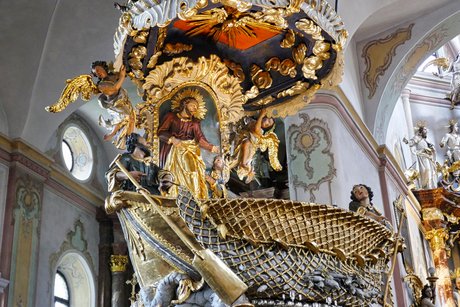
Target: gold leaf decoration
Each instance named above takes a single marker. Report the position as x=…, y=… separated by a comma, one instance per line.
x=289, y=39
x=299, y=53
x=287, y=68
x=310, y=27
x=176, y=48
x=236, y=69
x=273, y=64
x=260, y=78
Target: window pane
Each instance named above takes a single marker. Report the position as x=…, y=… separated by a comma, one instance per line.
x=67, y=154
x=60, y=287
x=57, y=304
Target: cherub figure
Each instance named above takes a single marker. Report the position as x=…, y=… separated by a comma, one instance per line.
x=450, y=68
x=250, y=138
x=112, y=97
x=218, y=177
x=427, y=297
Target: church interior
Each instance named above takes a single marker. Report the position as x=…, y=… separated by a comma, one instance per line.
x=230, y=153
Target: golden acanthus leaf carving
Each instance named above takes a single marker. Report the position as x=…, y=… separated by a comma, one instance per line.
x=176, y=48
x=310, y=65
x=287, y=68
x=190, y=12
x=299, y=53
x=139, y=37
x=298, y=88
x=310, y=27
x=154, y=59
x=273, y=64
x=288, y=40
x=260, y=78
x=252, y=93
x=292, y=106
x=136, y=56
x=236, y=68
x=315, y=62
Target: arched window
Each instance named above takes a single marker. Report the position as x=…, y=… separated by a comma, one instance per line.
x=74, y=283
x=61, y=290
x=77, y=153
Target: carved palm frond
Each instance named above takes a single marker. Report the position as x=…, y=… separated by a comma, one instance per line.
x=82, y=85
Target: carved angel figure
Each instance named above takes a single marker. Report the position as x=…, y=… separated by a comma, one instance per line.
x=449, y=68
x=250, y=138
x=112, y=97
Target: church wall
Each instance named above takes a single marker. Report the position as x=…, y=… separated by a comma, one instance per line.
x=59, y=217
x=397, y=130
x=353, y=158
x=3, y=188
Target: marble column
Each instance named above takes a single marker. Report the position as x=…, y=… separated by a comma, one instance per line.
x=407, y=111
x=105, y=250
x=118, y=268
x=437, y=234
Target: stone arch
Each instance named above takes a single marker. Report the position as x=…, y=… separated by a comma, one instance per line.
x=405, y=69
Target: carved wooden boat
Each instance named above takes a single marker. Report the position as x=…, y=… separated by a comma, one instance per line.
x=281, y=249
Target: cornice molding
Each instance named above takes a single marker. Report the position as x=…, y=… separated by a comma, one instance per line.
x=54, y=177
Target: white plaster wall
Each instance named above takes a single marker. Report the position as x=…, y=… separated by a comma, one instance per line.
x=351, y=80
x=4, y=170
x=353, y=164
x=58, y=218
x=397, y=130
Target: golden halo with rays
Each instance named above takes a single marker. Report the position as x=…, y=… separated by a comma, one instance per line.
x=192, y=93
x=451, y=123
x=420, y=124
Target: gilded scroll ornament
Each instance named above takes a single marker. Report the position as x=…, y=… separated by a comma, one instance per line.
x=176, y=48
x=309, y=27
x=299, y=53
x=139, y=37
x=260, y=78
x=287, y=67
x=298, y=88
x=118, y=263
x=296, y=103
x=310, y=66
x=236, y=69
x=288, y=40
x=432, y=214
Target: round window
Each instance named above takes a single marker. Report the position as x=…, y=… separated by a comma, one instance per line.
x=77, y=153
